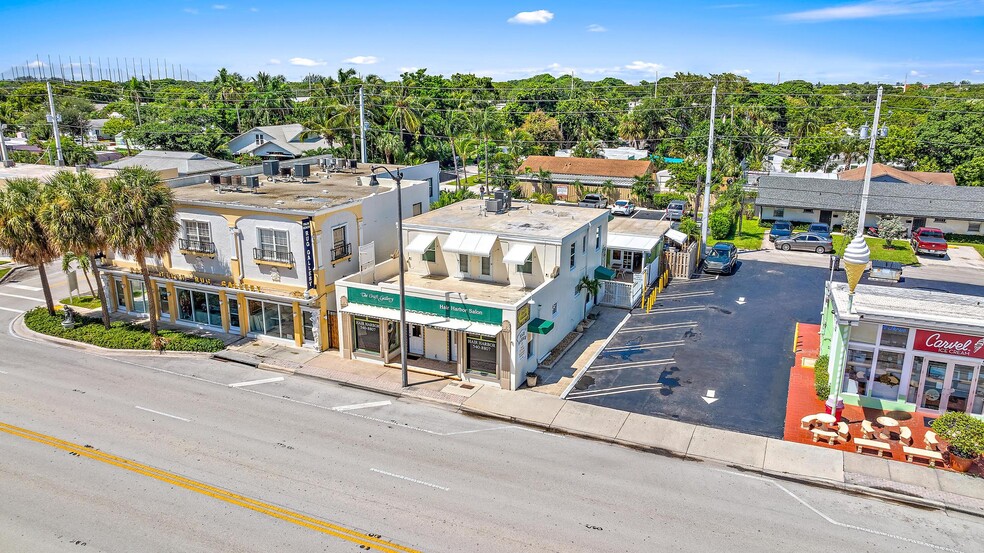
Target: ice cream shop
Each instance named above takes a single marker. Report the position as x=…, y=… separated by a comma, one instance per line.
x=906, y=350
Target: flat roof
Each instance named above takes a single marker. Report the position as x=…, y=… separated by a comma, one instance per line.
x=638, y=226
x=310, y=194
x=542, y=222
x=32, y=171
x=919, y=306
x=474, y=289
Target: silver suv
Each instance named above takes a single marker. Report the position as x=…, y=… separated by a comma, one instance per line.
x=674, y=210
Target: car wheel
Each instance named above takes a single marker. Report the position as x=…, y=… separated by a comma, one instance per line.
x=821, y=249
x=784, y=247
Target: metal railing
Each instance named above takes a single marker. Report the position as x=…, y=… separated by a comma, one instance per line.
x=341, y=250
x=277, y=256
x=197, y=246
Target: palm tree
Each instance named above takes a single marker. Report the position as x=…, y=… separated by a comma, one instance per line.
x=134, y=90
x=137, y=217
x=592, y=286
x=390, y=145
x=545, y=178
x=230, y=87
x=69, y=213
x=22, y=232
x=609, y=190
x=642, y=188
x=83, y=264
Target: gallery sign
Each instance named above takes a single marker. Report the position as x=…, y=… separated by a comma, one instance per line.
x=949, y=343
x=445, y=308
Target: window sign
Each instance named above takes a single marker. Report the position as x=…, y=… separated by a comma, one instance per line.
x=445, y=308
x=481, y=356
x=949, y=343
x=367, y=334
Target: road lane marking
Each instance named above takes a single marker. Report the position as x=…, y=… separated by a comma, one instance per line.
x=11, y=310
x=255, y=382
x=408, y=479
x=343, y=408
x=39, y=300
x=4, y=372
x=319, y=525
x=23, y=287
x=834, y=522
x=162, y=414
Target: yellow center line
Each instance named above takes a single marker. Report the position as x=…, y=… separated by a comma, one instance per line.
x=299, y=519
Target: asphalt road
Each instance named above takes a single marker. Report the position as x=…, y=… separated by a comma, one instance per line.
x=302, y=465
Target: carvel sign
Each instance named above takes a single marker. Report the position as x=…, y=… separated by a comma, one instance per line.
x=950, y=344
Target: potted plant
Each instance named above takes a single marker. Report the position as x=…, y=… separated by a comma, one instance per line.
x=531, y=379
x=964, y=436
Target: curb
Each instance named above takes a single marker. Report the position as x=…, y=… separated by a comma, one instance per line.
x=10, y=274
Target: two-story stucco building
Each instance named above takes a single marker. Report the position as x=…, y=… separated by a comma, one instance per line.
x=263, y=261
x=488, y=294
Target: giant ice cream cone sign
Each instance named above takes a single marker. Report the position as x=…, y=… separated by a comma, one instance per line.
x=856, y=258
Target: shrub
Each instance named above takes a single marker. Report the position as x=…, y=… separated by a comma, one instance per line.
x=720, y=224
x=821, y=377
x=121, y=335
x=663, y=199
x=963, y=433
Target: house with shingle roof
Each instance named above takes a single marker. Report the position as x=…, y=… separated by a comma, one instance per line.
x=953, y=209
x=591, y=172
x=886, y=173
x=276, y=142
x=174, y=164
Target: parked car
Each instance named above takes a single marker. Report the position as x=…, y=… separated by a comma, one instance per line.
x=805, y=241
x=674, y=210
x=623, y=207
x=820, y=229
x=780, y=229
x=722, y=258
x=593, y=200
x=929, y=240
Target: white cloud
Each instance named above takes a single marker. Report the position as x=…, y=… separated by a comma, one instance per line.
x=36, y=64
x=362, y=60
x=976, y=71
x=644, y=67
x=595, y=28
x=274, y=61
x=306, y=62
x=741, y=71
x=408, y=69
x=885, y=8
x=219, y=7
x=254, y=10
x=538, y=17
x=192, y=11
x=632, y=70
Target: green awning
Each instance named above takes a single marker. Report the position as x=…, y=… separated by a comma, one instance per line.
x=540, y=326
x=604, y=273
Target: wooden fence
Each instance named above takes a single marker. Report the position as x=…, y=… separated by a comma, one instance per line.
x=683, y=263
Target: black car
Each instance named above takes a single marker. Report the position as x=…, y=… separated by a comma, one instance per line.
x=722, y=258
x=780, y=229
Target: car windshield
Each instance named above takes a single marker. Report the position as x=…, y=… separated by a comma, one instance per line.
x=621, y=203
x=781, y=226
x=720, y=252
x=818, y=228
x=932, y=233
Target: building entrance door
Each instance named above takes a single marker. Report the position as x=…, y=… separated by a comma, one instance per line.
x=415, y=345
x=826, y=216
x=947, y=386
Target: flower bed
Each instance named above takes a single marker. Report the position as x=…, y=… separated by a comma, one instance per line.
x=121, y=335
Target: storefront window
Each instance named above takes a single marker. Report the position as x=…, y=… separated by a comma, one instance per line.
x=366, y=334
x=481, y=356
x=120, y=295
x=214, y=309
x=271, y=319
x=857, y=371
x=139, y=296
x=233, y=313
x=978, y=408
x=917, y=366
x=286, y=322
x=308, y=320
x=393, y=336
x=255, y=316
x=887, y=376
x=894, y=336
x=864, y=333
x=184, y=304
x=163, y=301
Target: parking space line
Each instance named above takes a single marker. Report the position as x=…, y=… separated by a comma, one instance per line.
x=162, y=414
x=638, y=365
x=618, y=390
x=362, y=405
x=667, y=326
x=255, y=382
x=667, y=344
x=667, y=310
x=687, y=295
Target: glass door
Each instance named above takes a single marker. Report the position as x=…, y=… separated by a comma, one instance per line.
x=949, y=386
x=958, y=398
x=934, y=386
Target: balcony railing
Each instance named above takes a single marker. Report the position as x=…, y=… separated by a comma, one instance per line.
x=202, y=247
x=340, y=251
x=278, y=257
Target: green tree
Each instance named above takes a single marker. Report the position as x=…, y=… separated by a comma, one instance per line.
x=137, y=218
x=643, y=187
x=891, y=228
x=609, y=190
x=69, y=212
x=588, y=149
x=970, y=173
x=22, y=232
x=116, y=126
x=82, y=262
x=544, y=132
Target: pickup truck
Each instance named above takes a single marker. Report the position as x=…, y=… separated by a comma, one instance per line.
x=929, y=240
x=593, y=200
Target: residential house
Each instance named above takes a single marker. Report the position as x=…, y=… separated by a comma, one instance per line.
x=622, y=152
x=174, y=164
x=886, y=173
x=488, y=294
x=953, y=209
x=591, y=172
x=276, y=142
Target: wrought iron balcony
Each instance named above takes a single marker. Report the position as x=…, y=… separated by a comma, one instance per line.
x=340, y=251
x=273, y=257
x=196, y=247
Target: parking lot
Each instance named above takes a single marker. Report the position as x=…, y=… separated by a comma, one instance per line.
x=717, y=350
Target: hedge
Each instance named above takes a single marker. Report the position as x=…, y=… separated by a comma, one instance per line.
x=121, y=335
x=719, y=224
x=821, y=379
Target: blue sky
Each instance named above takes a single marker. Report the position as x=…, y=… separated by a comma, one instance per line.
x=828, y=41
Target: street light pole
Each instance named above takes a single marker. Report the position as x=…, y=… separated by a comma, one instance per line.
x=398, y=177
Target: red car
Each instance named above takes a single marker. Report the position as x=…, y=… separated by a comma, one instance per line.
x=929, y=240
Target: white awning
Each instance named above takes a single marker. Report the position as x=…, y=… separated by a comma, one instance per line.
x=630, y=242
x=423, y=319
x=518, y=254
x=469, y=243
x=421, y=243
x=676, y=236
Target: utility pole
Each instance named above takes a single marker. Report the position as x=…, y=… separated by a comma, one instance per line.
x=707, y=176
x=362, y=121
x=53, y=119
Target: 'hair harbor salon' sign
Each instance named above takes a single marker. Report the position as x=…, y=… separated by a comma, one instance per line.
x=448, y=309
x=949, y=343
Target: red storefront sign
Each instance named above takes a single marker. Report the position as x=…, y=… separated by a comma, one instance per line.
x=949, y=343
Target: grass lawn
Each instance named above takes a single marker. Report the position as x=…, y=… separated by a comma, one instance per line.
x=3, y=271
x=121, y=335
x=901, y=252
x=750, y=237
x=85, y=302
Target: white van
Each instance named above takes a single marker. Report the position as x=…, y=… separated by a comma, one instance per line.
x=674, y=210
